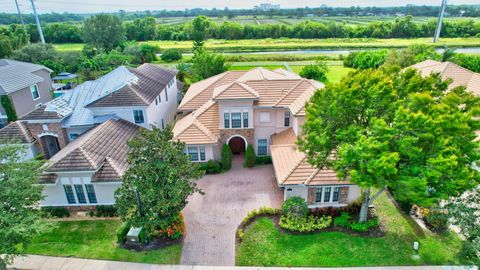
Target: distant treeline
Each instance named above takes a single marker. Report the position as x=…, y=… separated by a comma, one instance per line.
x=421, y=11
x=147, y=29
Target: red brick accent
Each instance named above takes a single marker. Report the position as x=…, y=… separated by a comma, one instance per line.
x=344, y=195
x=311, y=197
x=54, y=128
x=225, y=134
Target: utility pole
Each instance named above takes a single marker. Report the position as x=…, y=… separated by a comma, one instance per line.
x=440, y=21
x=39, y=27
x=20, y=14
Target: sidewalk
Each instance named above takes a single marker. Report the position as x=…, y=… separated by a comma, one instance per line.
x=34, y=262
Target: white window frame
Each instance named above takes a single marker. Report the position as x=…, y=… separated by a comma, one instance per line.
x=32, y=87
x=330, y=200
x=143, y=116
x=230, y=120
x=258, y=147
x=199, y=156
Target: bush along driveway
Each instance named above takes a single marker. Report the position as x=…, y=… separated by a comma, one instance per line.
x=213, y=218
x=263, y=244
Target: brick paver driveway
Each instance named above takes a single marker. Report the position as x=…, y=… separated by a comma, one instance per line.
x=213, y=218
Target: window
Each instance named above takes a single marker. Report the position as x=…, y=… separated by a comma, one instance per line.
x=326, y=197
x=226, y=119
x=73, y=136
x=236, y=120
x=287, y=118
x=262, y=147
x=193, y=152
x=69, y=193
x=318, y=194
x=34, y=90
x=264, y=117
x=245, y=119
x=166, y=95
x=156, y=101
x=92, y=198
x=336, y=194
x=202, y=152
x=80, y=194
x=138, y=116
x=163, y=124
x=159, y=98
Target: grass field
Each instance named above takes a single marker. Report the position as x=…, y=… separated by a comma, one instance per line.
x=264, y=245
x=247, y=45
x=96, y=240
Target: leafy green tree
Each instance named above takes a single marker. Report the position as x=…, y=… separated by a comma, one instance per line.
x=184, y=70
x=20, y=194
x=471, y=62
x=411, y=55
x=199, y=27
x=103, y=31
x=366, y=59
x=317, y=71
x=6, y=48
x=395, y=130
x=158, y=182
x=206, y=64
x=36, y=53
x=142, y=29
x=249, y=157
x=171, y=55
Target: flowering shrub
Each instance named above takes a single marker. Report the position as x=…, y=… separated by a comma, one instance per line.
x=175, y=230
x=304, y=224
x=345, y=221
x=262, y=211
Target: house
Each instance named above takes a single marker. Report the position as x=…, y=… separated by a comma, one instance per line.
x=88, y=170
x=146, y=96
x=18, y=133
x=26, y=85
x=265, y=109
x=458, y=75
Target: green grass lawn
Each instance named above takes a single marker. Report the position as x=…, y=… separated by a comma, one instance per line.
x=269, y=44
x=96, y=240
x=264, y=245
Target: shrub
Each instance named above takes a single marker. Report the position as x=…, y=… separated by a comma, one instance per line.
x=437, y=219
x=211, y=167
x=226, y=157
x=240, y=234
x=343, y=220
x=317, y=71
x=364, y=226
x=56, y=212
x=308, y=223
x=262, y=160
x=143, y=237
x=249, y=157
x=365, y=59
x=176, y=229
x=295, y=206
x=122, y=232
x=105, y=211
x=262, y=211
x=171, y=55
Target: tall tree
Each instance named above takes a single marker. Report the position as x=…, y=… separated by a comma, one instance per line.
x=156, y=186
x=199, y=31
x=20, y=216
x=206, y=64
x=103, y=31
x=395, y=130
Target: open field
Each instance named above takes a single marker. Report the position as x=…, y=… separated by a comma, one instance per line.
x=249, y=45
x=96, y=240
x=265, y=245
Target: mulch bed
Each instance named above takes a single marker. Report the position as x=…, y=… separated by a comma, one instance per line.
x=155, y=244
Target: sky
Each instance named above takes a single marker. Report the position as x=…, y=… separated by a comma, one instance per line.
x=89, y=6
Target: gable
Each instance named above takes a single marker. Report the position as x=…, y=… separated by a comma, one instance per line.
x=236, y=90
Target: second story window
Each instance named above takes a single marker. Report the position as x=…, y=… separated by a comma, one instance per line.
x=35, y=93
x=245, y=119
x=236, y=120
x=138, y=116
x=287, y=118
x=226, y=118
x=166, y=95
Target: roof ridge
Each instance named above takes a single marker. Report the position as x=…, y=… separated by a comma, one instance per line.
x=294, y=168
x=220, y=77
x=87, y=157
x=310, y=178
x=205, y=130
x=112, y=164
x=25, y=131
x=288, y=92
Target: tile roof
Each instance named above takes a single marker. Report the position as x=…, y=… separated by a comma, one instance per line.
x=192, y=130
x=460, y=76
x=119, y=88
x=16, y=75
x=17, y=131
x=103, y=149
x=235, y=90
x=291, y=165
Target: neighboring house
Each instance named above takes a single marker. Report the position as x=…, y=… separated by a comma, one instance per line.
x=18, y=133
x=146, y=96
x=460, y=76
x=265, y=109
x=27, y=85
x=89, y=170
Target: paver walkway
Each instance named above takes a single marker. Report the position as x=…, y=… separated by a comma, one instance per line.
x=212, y=218
x=33, y=262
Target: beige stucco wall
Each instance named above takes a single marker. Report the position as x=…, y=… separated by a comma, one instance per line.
x=354, y=193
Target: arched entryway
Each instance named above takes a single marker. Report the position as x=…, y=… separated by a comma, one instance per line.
x=50, y=145
x=237, y=145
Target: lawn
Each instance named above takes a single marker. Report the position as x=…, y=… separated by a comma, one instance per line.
x=264, y=245
x=269, y=44
x=96, y=240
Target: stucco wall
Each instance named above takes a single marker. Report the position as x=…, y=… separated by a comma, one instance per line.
x=165, y=110
x=23, y=100
x=125, y=113
x=302, y=191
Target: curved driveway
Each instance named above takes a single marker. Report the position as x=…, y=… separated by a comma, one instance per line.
x=212, y=218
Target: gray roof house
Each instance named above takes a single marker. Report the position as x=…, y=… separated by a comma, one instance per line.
x=28, y=86
x=145, y=96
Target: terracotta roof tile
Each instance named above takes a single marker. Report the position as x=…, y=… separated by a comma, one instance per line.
x=16, y=131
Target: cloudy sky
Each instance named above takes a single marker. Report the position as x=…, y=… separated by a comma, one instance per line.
x=87, y=6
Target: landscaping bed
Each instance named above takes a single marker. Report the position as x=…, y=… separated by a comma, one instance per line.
x=264, y=244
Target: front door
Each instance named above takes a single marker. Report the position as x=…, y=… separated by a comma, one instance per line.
x=50, y=145
x=237, y=145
